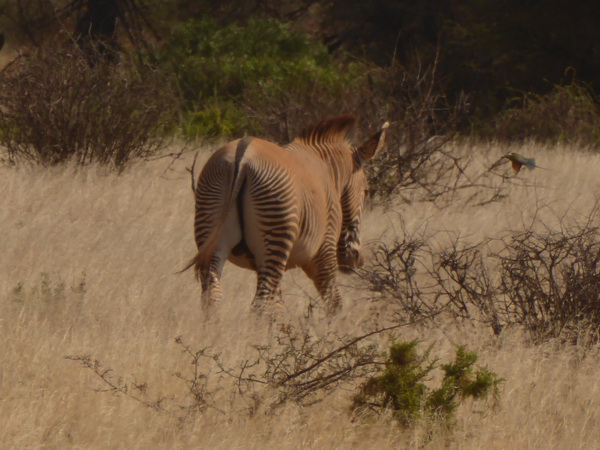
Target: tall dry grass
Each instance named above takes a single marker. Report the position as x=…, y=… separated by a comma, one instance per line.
x=87, y=268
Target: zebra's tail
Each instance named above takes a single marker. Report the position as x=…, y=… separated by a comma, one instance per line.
x=208, y=247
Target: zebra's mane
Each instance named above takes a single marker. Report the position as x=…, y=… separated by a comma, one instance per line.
x=334, y=129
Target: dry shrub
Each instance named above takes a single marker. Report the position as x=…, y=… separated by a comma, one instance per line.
x=58, y=107
x=464, y=284
x=394, y=272
x=423, y=121
x=297, y=367
x=545, y=280
x=550, y=281
x=567, y=114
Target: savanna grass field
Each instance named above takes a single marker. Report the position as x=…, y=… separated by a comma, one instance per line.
x=89, y=274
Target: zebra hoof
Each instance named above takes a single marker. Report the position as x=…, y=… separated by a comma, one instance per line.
x=209, y=307
x=333, y=308
x=270, y=310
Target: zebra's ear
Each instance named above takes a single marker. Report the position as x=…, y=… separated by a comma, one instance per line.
x=372, y=145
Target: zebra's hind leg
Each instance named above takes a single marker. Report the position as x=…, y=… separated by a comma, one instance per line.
x=271, y=256
x=211, y=268
x=211, y=291
x=322, y=273
x=267, y=301
x=331, y=296
x=211, y=282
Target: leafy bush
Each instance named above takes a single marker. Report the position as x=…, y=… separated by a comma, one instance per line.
x=401, y=386
x=270, y=81
x=230, y=77
x=57, y=107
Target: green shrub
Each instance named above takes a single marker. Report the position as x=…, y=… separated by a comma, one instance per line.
x=401, y=386
x=227, y=76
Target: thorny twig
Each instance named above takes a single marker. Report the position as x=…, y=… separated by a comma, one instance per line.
x=120, y=386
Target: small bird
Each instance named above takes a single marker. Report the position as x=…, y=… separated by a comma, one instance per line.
x=519, y=160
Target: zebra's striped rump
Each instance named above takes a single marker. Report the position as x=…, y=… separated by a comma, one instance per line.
x=269, y=208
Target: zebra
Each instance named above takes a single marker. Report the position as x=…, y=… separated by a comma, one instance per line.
x=269, y=209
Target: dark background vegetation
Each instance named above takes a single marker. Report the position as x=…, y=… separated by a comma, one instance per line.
x=494, y=69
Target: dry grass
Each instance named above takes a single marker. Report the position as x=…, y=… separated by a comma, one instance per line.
x=87, y=267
